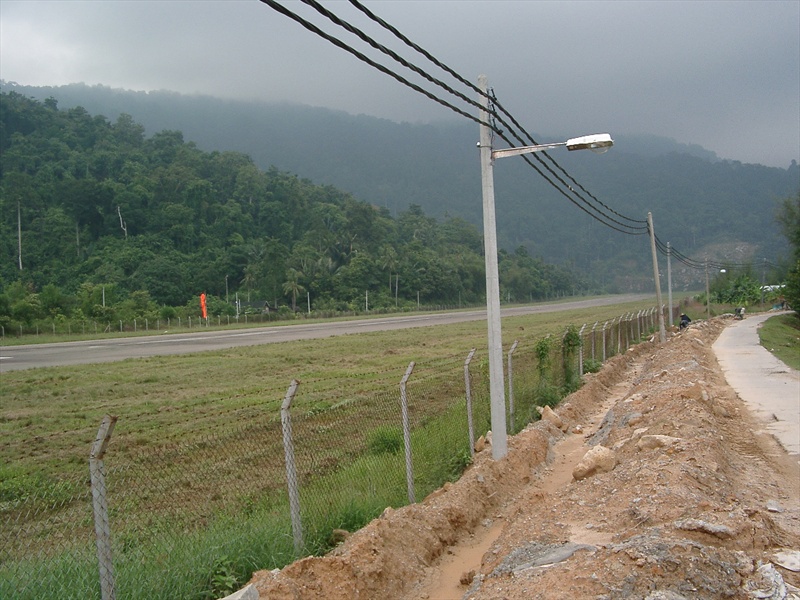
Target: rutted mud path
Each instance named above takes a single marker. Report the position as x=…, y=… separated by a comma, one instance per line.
x=463, y=560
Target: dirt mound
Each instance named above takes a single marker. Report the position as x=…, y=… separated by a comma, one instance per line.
x=688, y=503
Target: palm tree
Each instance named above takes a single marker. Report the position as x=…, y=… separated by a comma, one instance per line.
x=388, y=258
x=292, y=286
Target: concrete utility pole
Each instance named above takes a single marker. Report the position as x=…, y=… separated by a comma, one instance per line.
x=495, y=340
x=708, y=295
x=662, y=334
x=669, y=281
x=598, y=143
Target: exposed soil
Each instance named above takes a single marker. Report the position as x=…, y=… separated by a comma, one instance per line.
x=699, y=503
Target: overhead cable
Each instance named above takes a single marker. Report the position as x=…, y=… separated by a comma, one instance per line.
x=600, y=216
x=476, y=89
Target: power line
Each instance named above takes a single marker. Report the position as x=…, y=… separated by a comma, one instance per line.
x=601, y=216
x=338, y=43
x=703, y=264
x=475, y=88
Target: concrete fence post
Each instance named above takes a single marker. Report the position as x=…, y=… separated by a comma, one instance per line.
x=102, y=528
x=580, y=352
x=511, y=427
x=605, y=325
x=593, y=337
x=291, y=469
x=628, y=330
x=468, y=387
x=407, y=434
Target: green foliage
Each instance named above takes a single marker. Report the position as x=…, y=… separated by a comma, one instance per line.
x=155, y=222
x=458, y=462
x=591, y=365
x=385, y=439
x=781, y=336
x=380, y=157
x=737, y=289
x=789, y=219
x=223, y=579
x=548, y=395
x=542, y=350
x=17, y=486
x=572, y=340
x=570, y=345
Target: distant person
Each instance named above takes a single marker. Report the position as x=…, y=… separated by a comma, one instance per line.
x=685, y=320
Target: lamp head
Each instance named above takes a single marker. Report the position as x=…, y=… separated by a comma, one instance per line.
x=599, y=143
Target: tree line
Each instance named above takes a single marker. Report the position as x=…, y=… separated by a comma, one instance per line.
x=99, y=221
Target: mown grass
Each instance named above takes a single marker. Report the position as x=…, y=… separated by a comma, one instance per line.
x=49, y=417
x=781, y=336
x=178, y=410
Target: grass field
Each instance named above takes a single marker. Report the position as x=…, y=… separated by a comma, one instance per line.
x=781, y=336
x=49, y=417
x=170, y=459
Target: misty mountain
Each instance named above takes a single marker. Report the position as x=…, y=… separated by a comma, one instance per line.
x=702, y=205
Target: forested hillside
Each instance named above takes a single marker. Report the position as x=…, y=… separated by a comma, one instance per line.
x=96, y=217
x=704, y=206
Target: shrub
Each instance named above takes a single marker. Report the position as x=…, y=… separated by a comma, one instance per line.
x=591, y=365
x=385, y=440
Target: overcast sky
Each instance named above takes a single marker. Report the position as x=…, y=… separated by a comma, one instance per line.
x=724, y=75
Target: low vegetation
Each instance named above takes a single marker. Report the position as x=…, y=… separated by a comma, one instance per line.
x=781, y=336
x=179, y=410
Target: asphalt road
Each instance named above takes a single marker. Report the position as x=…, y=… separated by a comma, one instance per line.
x=109, y=350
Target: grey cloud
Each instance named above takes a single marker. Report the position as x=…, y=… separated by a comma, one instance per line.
x=725, y=75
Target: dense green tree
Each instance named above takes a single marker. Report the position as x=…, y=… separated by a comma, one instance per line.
x=115, y=225
x=789, y=219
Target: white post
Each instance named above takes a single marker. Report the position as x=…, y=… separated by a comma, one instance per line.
x=495, y=339
x=467, y=384
x=102, y=528
x=407, y=434
x=708, y=295
x=662, y=334
x=511, y=387
x=580, y=350
x=604, y=341
x=669, y=282
x=291, y=470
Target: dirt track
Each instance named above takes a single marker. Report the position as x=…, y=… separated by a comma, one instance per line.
x=696, y=505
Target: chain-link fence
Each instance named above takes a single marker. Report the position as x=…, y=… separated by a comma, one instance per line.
x=195, y=520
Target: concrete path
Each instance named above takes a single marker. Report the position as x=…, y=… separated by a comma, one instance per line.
x=770, y=389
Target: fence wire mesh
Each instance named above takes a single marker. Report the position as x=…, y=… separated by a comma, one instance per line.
x=193, y=520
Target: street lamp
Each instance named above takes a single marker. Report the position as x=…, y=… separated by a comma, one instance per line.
x=597, y=143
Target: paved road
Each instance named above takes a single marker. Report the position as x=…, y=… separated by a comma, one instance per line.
x=770, y=389
x=110, y=350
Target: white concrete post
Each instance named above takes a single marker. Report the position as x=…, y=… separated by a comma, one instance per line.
x=102, y=528
x=407, y=434
x=291, y=469
x=468, y=386
x=511, y=389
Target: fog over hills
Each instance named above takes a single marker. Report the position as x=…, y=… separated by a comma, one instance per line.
x=702, y=205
